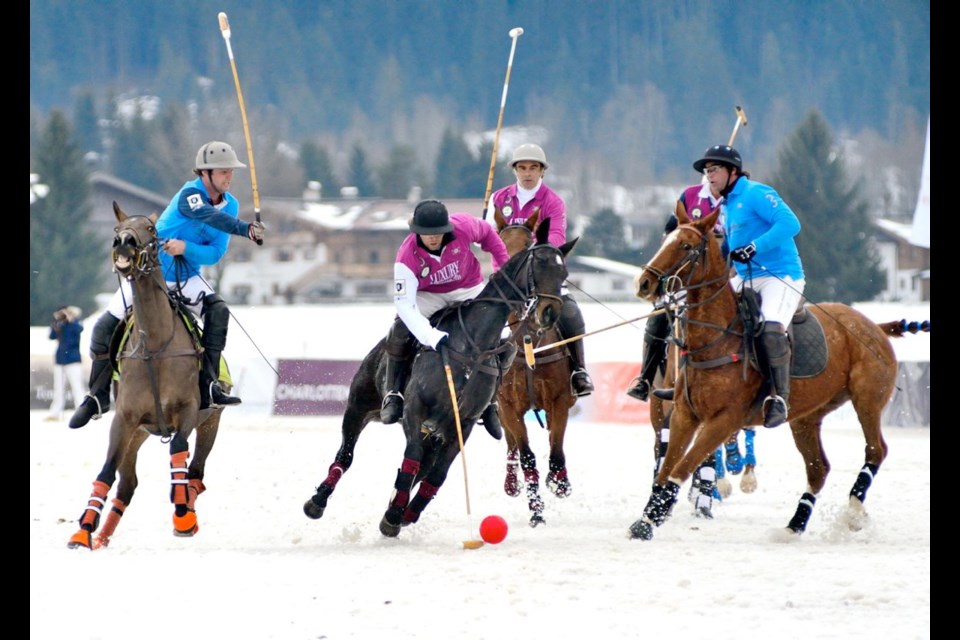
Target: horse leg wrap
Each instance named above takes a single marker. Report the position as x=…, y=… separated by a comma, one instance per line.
x=864, y=480
x=90, y=518
x=734, y=459
x=511, y=483
x=334, y=473
x=194, y=488
x=798, y=523
x=749, y=458
x=662, y=448
x=110, y=524
x=558, y=482
x=178, y=478
x=425, y=494
x=661, y=502
x=404, y=482
x=718, y=463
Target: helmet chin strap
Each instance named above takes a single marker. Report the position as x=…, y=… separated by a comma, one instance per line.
x=726, y=189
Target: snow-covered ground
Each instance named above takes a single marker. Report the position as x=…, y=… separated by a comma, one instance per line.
x=260, y=569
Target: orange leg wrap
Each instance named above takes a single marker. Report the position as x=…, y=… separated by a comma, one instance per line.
x=110, y=524
x=91, y=515
x=178, y=478
x=194, y=488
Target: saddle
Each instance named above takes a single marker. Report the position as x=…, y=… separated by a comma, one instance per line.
x=808, y=343
x=121, y=337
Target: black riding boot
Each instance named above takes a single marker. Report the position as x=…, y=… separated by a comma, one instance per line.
x=571, y=324
x=776, y=344
x=654, y=352
x=216, y=315
x=398, y=347
x=97, y=401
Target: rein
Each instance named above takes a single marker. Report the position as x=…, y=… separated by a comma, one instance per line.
x=145, y=272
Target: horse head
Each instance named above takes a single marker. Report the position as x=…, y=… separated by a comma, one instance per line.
x=135, y=244
x=517, y=237
x=689, y=256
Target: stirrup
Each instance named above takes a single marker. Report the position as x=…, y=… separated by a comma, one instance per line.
x=581, y=383
x=391, y=408
x=774, y=411
x=82, y=415
x=640, y=390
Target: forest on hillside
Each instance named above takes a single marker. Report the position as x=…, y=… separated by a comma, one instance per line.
x=617, y=91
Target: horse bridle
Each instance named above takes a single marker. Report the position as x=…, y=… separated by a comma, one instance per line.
x=146, y=255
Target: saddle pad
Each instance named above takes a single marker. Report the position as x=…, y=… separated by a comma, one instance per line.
x=809, y=347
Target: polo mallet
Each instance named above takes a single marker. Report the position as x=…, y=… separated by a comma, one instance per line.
x=530, y=352
x=741, y=119
x=515, y=33
x=467, y=544
x=225, y=31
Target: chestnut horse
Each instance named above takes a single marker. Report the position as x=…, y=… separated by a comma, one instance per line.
x=704, y=488
x=546, y=387
x=158, y=392
x=529, y=282
x=717, y=392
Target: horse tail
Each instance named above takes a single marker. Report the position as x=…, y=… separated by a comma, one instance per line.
x=897, y=328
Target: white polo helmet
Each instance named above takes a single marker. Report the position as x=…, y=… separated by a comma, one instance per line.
x=217, y=155
x=529, y=151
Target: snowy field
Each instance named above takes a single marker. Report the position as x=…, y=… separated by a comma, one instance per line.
x=260, y=569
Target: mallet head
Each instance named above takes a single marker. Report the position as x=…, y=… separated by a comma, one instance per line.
x=516, y=32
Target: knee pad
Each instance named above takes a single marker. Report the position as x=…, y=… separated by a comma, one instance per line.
x=103, y=334
x=216, y=316
x=399, y=340
x=571, y=320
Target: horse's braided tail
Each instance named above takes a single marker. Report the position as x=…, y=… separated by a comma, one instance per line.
x=897, y=328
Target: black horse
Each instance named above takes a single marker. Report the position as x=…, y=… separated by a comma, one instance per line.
x=528, y=283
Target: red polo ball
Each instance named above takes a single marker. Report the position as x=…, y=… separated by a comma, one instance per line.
x=493, y=529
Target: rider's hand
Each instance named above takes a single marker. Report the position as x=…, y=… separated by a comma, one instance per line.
x=441, y=342
x=744, y=254
x=255, y=232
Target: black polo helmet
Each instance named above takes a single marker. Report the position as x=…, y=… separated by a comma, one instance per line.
x=722, y=153
x=430, y=218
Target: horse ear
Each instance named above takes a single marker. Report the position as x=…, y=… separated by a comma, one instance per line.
x=499, y=219
x=567, y=247
x=531, y=222
x=711, y=220
x=681, y=213
x=118, y=212
x=154, y=217
x=542, y=232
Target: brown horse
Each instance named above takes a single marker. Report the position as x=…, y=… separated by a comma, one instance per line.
x=545, y=388
x=702, y=489
x=157, y=393
x=717, y=393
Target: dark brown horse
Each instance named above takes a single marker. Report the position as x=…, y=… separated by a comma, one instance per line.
x=717, y=393
x=545, y=387
x=158, y=392
x=529, y=282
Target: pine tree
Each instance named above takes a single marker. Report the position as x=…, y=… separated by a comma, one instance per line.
x=605, y=237
x=399, y=173
x=360, y=175
x=840, y=262
x=316, y=163
x=456, y=175
x=65, y=258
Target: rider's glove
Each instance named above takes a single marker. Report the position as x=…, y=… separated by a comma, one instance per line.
x=744, y=254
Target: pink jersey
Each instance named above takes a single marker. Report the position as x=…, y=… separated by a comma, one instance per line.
x=546, y=200
x=456, y=267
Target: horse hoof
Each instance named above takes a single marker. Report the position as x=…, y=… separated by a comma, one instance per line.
x=80, y=540
x=186, y=525
x=389, y=529
x=704, y=512
x=724, y=488
x=748, y=483
x=313, y=508
x=536, y=520
x=641, y=530
x=558, y=484
x=101, y=542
